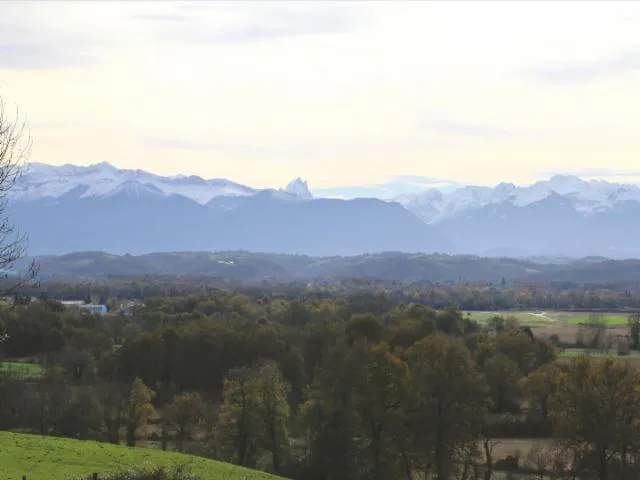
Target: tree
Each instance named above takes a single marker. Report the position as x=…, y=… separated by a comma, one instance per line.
x=52, y=399
x=139, y=409
x=184, y=414
x=381, y=406
x=366, y=327
x=113, y=397
x=15, y=147
x=594, y=331
x=330, y=412
x=237, y=420
x=596, y=412
x=527, y=352
x=634, y=330
x=539, y=387
x=450, y=399
x=502, y=375
x=273, y=411
x=82, y=416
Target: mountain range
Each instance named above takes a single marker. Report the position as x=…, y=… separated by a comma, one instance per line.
x=102, y=208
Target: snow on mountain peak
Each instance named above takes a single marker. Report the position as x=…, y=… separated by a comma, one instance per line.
x=134, y=188
x=564, y=184
x=103, y=179
x=299, y=188
x=586, y=196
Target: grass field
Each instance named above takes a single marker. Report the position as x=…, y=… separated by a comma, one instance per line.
x=543, y=318
x=30, y=369
x=44, y=458
x=577, y=352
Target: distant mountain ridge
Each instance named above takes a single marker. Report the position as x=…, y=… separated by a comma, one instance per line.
x=100, y=207
x=257, y=267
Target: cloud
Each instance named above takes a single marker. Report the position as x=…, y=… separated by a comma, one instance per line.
x=295, y=149
x=253, y=22
x=174, y=143
x=62, y=35
x=595, y=173
x=395, y=186
x=34, y=56
x=622, y=63
x=151, y=17
x=451, y=127
x=28, y=44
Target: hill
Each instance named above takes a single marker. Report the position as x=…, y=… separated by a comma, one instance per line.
x=256, y=267
x=45, y=458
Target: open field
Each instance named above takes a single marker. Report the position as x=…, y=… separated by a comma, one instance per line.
x=29, y=369
x=525, y=318
x=542, y=318
x=577, y=352
x=44, y=458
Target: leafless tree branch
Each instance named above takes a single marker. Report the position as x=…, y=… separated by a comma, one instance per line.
x=15, y=148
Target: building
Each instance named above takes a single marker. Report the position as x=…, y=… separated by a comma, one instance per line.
x=98, y=309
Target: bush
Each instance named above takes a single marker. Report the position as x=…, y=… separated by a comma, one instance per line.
x=153, y=473
x=623, y=349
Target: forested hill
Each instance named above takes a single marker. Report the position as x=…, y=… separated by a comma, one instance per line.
x=258, y=267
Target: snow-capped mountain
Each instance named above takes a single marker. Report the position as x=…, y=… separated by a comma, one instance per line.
x=586, y=197
x=134, y=211
x=42, y=181
x=102, y=208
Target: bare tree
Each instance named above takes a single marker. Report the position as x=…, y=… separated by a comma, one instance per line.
x=15, y=147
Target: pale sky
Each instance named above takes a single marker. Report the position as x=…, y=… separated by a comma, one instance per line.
x=337, y=93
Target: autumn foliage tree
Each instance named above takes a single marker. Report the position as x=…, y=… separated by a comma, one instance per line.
x=139, y=410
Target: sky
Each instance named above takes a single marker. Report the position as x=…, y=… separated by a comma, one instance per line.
x=401, y=95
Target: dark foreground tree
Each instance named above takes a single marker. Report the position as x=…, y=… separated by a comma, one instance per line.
x=15, y=146
x=596, y=413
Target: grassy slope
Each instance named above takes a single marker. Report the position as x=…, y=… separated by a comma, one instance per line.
x=44, y=458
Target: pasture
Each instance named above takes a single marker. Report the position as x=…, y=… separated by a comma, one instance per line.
x=550, y=317
x=44, y=458
x=22, y=368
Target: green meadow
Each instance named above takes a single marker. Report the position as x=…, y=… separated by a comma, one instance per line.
x=542, y=318
x=22, y=368
x=46, y=458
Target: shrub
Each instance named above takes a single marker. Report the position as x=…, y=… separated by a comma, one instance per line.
x=153, y=473
x=623, y=349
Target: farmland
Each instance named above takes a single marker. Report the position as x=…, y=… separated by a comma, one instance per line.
x=576, y=352
x=22, y=368
x=43, y=458
x=557, y=318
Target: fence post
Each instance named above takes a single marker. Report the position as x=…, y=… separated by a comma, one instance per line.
x=95, y=476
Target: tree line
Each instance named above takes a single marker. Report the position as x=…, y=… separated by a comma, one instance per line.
x=461, y=295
